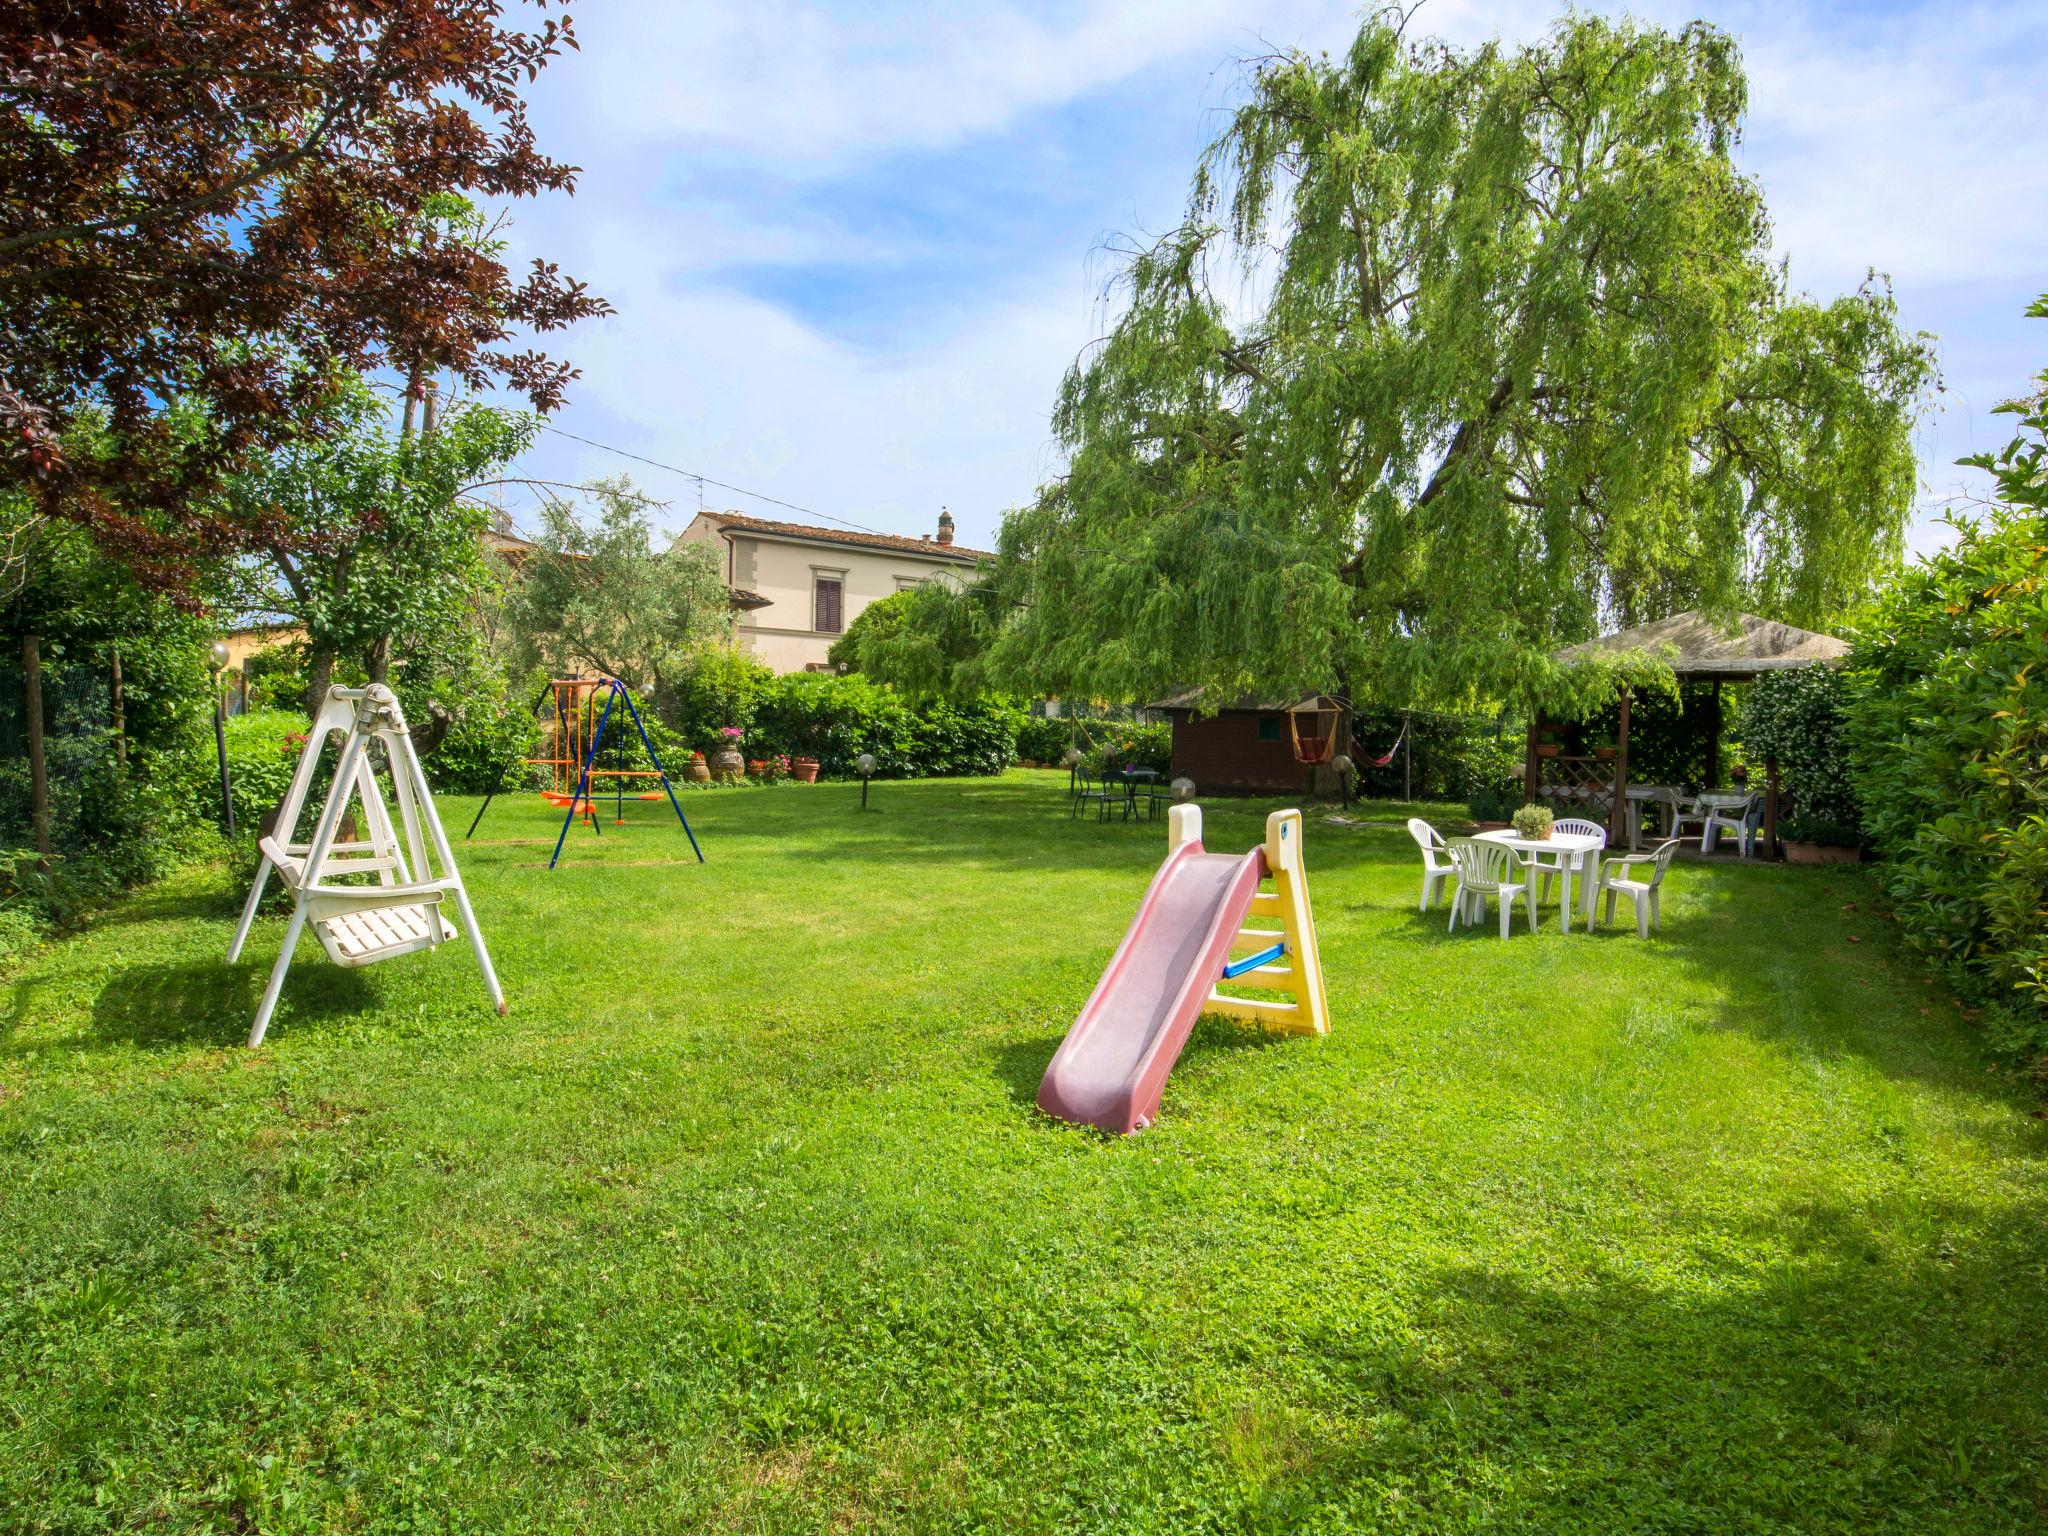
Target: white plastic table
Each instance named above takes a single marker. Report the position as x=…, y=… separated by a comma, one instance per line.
x=1581, y=852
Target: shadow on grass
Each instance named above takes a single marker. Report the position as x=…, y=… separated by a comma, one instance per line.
x=1020, y=1065
x=1877, y=1376
x=211, y=1003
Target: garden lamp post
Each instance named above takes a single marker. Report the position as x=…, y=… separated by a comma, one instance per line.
x=217, y=663
x=866, y=764
x=1072, y=758
x=1183, y=789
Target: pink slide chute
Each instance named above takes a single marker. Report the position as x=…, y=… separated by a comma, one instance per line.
x=1111, y=1069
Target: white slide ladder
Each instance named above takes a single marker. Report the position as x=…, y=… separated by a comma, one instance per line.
x=361, y=924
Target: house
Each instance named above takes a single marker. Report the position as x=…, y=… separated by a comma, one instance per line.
x=1246, y=745
x=806, y=583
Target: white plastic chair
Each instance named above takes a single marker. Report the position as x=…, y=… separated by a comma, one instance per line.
x=1552, y=864
x=1488, y=869
x=362, y=924
x=1616, y=879
x=1724, y=815
x=1433, y=846
x=1687, y=811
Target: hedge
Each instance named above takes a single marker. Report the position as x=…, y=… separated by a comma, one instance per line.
x=1947, y=725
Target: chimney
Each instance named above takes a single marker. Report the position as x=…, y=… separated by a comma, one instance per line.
x=945, y=526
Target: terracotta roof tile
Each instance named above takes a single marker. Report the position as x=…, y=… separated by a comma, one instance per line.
x=931, y=549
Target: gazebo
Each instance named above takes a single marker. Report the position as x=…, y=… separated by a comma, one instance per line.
x=1698, y=649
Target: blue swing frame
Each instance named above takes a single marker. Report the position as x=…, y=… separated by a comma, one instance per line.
x=616, y=690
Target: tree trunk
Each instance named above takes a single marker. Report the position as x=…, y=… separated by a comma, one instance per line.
x=377, y=660
x=38, y=769
x=319, y=674
x=1714, y=742
x=120, y=707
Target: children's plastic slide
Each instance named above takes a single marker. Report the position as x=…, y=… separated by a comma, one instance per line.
x=1111, y=1069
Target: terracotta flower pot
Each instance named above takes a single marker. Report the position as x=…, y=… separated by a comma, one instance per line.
x=1605, y=754
x=698, y=771
x=804, y=770
x=728, y=766
x=1820, y=853
x=1547, y=749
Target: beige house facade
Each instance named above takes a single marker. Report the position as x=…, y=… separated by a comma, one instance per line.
x=796, y=586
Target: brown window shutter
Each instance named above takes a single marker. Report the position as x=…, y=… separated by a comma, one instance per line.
x=828, y=615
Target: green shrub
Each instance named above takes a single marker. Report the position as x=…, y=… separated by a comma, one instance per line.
x=1041, y=739
x=720, y=687
x=1113, y=745
x=1495, y=802
x=1947, y=724
x=835, y=718
x=1796, y=716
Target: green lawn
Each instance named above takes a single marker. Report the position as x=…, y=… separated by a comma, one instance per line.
x=743, y=1219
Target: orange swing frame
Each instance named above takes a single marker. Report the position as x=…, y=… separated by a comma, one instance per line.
x=575, y=724
x=1318, y=743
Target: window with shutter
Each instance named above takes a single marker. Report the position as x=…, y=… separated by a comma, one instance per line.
x=828, y=618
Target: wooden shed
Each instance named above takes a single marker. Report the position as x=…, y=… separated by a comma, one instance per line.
x=1246, y=747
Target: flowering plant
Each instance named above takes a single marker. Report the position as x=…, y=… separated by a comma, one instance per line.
x=731, y=732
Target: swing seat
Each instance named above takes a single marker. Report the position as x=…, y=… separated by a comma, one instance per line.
x=362, y=924
x=382, y=933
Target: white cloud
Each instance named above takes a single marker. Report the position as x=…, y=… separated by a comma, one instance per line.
x=816, y=87
x=1905, y=141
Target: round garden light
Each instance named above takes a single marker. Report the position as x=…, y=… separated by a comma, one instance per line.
x=866, y=764
x=1183, y=788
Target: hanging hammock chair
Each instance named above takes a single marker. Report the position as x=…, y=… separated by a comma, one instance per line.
x=1313, y=726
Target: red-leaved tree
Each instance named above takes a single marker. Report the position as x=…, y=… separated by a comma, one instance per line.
x=222, y=203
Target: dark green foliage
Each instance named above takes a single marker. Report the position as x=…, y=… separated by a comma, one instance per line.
x=1796, y=717
x=1450, y=756
x=1948, y=732
x=718, y=686
x=111, y=826
x=1044, y=739
x=1669, y=729
x=878, y=622
x=835, y=718
x=1112, y=745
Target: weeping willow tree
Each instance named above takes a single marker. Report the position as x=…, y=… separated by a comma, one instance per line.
x=1456, y=357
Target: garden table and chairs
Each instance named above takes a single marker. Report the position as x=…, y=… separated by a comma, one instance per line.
x=1096, y=790
x=1577, y=858
x=1485, y=868
x=1740, y=813
x=1142, y=784
x=1638, y=877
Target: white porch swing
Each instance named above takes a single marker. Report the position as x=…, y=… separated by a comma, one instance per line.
x=361, y=924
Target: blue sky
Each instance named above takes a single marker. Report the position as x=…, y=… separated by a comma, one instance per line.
x=854, y=247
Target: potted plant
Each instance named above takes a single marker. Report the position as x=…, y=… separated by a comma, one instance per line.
x=699, y=771
x=1818, y=840
x=728, y=765
x=1533, y=822
x=804, y=769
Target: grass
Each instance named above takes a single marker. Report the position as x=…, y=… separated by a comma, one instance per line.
x=743, y=1219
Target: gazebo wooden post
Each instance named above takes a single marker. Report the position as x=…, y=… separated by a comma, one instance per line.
x=1714, y=741
x=1771, y=805
x=1617, y=816
x=1529, y=785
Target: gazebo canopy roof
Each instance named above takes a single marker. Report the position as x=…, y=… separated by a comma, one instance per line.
x=1700, y=647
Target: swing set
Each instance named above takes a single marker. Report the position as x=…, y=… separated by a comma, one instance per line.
x=581, y=714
